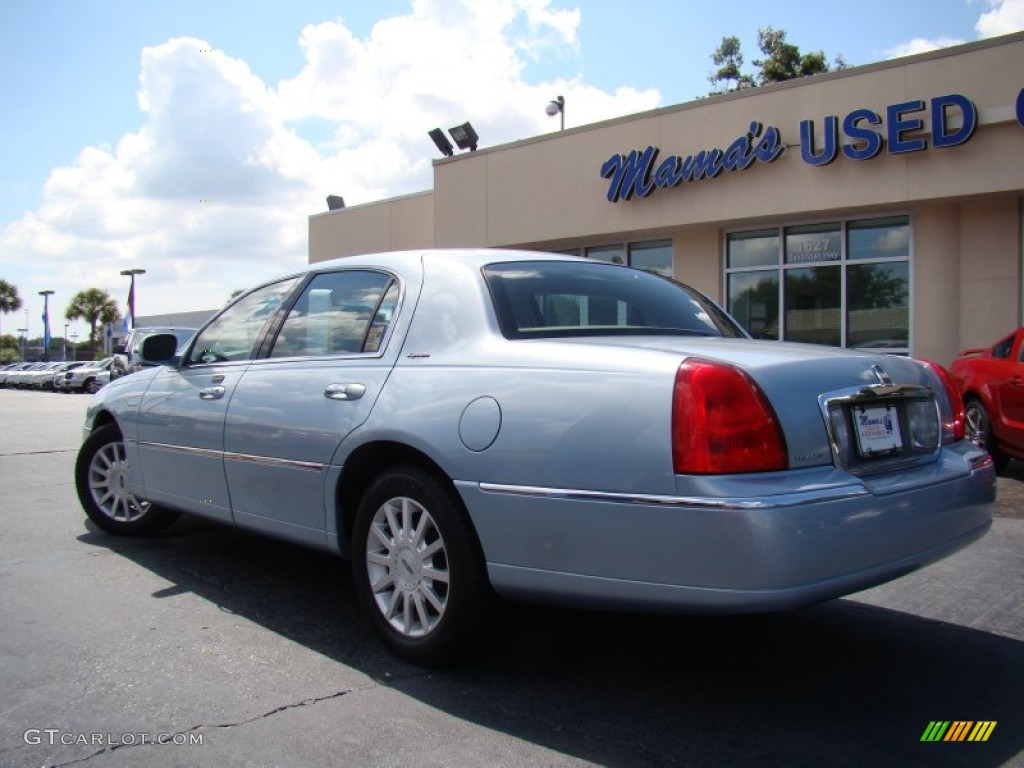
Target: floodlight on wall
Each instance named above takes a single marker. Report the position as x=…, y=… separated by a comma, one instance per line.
x=464, y=136
x=441, y=142
x=556, y=107
x=335, y=202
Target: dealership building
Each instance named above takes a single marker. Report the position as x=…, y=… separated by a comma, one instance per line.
x=875, y=207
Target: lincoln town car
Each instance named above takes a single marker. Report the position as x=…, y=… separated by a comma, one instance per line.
x=467, y=426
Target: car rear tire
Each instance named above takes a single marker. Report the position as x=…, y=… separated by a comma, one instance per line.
x=979, y=432
x=418, y=568
x=101, y=479
x=92, y=386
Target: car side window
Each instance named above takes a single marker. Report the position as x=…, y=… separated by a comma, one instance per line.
x=338, y=313
x=1001, y=350
x=233, y=335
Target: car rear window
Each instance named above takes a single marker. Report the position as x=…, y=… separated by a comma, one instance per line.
x=552, y=299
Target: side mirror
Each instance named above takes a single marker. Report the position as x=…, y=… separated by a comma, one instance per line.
x=158, y=349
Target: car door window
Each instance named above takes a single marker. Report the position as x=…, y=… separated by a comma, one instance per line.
x=1001, y=350
x=233, y=335
x=339, y=313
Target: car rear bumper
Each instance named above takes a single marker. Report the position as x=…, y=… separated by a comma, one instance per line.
x=724, y=553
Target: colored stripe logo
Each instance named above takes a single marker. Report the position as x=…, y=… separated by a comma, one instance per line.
x=959, y=730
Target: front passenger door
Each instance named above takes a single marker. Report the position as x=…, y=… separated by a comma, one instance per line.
x=181, y=420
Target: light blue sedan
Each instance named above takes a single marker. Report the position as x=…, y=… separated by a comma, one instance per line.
x=471, y=424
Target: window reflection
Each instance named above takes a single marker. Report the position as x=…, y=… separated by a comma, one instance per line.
x=754, y=302
x=338, y=313
x=843, y=283
x=878, y=305
x=235, y=332
x=813, y=305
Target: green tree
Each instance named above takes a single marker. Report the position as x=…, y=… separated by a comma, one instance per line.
x=782, y=61
x=96, y=307
x=10, y=301
x=729, y=59
x=10, y=350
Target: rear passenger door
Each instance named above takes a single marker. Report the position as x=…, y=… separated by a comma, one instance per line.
x=292, y=408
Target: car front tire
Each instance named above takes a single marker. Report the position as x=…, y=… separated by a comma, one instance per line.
x=101, y=479
x=418, y=568
x=979, y=432
x=92, y=386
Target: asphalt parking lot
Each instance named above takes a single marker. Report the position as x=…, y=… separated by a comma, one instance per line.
x=241, y=651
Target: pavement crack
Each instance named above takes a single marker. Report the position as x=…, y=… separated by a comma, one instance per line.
x=38, y=453
x=170, y=740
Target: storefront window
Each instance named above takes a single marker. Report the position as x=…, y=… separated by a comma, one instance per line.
x=653, y=256
x=758, y=248
x=754, y=302
x=842, y=283
x=879, y=238
x=878, y=313
x=613, y=254
x=814, y=305
x=813, y=244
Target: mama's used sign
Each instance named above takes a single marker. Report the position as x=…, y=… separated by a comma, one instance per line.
x=860, y=135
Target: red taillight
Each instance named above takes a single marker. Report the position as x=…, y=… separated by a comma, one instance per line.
x=722, y=422
x=953, y=424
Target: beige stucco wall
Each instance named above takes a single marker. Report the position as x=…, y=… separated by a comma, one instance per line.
x=390, y=225
x=989, y=270
x=935, y=293
x=966, y=275
x=696, y=260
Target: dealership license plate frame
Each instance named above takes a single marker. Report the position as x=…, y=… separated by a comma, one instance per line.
x=878, y=433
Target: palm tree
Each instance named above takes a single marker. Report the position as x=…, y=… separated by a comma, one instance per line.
x=97, y=307
x=10, y=301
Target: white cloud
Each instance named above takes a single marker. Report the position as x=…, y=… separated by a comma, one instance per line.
x=213, y=191
x=1002, y=18
x=1005, y=16
x=921, y=45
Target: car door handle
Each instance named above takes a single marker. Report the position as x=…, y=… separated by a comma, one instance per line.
x=344, y=391
x=211, y=393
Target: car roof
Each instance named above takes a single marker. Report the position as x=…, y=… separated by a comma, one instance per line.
x=411, y=260
x=473, y=257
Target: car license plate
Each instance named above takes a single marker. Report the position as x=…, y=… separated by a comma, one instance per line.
x=877, y=429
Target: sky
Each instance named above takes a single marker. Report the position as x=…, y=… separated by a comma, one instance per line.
x=193, y=139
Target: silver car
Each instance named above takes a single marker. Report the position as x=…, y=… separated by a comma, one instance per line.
x=472, y=424
x=87, y=378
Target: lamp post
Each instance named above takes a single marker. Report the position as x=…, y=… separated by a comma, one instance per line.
x=556, y=107
x=131, y=273
x=64, y=345
x=24, y=337
x=46, y=324
x=74, y=347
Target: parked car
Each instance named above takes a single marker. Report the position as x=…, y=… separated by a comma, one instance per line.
x=10, y=369
x=542, y=427
x=126, y=356
x=45, y=376
x=19, y=378
x=42, y=373
x=87, y=378
x=991, y=381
